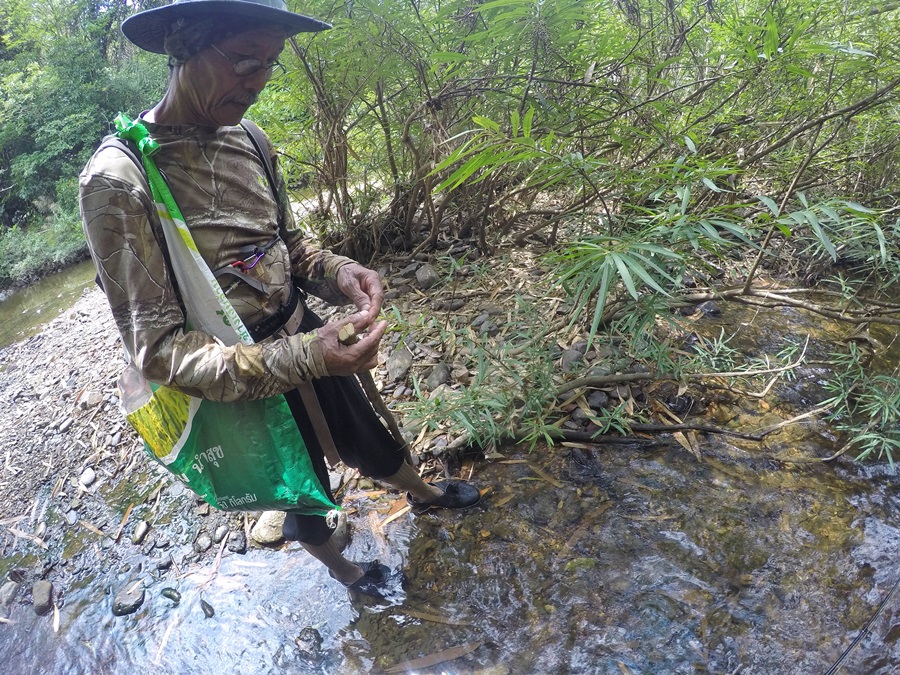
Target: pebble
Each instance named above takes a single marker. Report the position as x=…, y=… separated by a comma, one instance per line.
x=427, y=276
x=71, y=517
x=203, y=543
x=8, y=593
x=440, y=374
x=64, y=427
x=42, y=597
x=267, y=529
x=128, y=599
x=399, y=363
x=237, y=542
x=88, y=476
x=143, y=527
x=220, y=533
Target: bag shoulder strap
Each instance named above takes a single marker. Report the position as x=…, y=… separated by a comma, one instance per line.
x=258, y=139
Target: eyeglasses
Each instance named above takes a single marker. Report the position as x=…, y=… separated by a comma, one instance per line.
x=246, y=67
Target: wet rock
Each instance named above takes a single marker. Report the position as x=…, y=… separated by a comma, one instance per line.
x=64, y=427
x=337, y=520
x=176, y=489
x=128, y=599
x=709, y=308
x=71, y=517
x=171, y=594
x=8, y=593
x=309, y=642
x=203, y=543
x=237, y=542
x=267, y=529
x=162, y=564
x=440, y=374
x=140, y=532
x=220, y=533
x=399, y=363
x=426, y=276
x=88, y=476
x=42, y=597
x=207, y=608
x=41, y=530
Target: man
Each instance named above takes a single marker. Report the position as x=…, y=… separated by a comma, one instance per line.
x=221, y=55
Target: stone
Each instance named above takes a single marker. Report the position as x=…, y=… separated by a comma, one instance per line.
x=220, y=533
x=203, y=543
x=399, y=363
x=71, y=517
x=90, y=399
x=427, y=276
x=42, y=597
x=334, y=480
x=337, y=520
x=140, y=532
x=128, y=599
x=309, y=642
x=439, y=375
x=64, y=427
x=709, y=308
x=8, y=593
x=597, y=400
x=237, y=542
x=569, y=359
x=267, y=529
x=451, y=305
x=409, y=271
x=88, y=476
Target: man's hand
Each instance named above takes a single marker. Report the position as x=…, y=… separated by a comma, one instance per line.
x=363, y=287
x=349, y=359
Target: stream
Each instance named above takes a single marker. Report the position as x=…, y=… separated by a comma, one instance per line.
x=620, y=558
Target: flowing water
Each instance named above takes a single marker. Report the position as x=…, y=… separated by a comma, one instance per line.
x=579, y=560
x=23, y=311
x=606, y=559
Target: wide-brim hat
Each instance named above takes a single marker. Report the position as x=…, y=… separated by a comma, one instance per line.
x=148, y=29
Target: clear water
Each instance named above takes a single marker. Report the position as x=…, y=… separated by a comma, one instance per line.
x=23, y=311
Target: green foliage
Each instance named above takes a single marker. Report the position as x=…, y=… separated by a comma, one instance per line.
x=63, y=77
x=865, y=405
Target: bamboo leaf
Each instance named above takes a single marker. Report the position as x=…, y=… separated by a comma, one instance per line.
x=770, y=203
x=712, y=186
x=526, y=123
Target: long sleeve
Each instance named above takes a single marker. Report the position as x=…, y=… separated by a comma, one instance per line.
x=226, y=210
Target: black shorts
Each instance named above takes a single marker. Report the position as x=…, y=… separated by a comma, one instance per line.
x=361, y=439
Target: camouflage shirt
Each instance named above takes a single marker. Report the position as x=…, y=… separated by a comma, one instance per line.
x=220, y=185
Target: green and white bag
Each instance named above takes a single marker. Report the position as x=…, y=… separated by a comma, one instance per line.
x=241, y=456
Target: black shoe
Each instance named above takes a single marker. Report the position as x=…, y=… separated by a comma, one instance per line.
x=457, y=495
x=373, y=581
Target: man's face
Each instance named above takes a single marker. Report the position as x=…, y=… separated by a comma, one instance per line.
x=209, y=86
